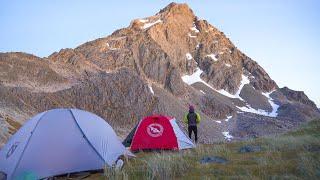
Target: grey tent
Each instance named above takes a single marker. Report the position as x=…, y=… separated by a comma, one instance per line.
x=60, y=141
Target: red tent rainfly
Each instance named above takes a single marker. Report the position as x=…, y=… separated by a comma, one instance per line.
x=159, y=132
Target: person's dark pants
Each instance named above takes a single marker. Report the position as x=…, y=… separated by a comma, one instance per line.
x=194, y=129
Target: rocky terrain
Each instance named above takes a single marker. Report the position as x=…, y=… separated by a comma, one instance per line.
x=159, y=64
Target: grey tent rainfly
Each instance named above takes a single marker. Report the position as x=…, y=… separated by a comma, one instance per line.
x=60, y=141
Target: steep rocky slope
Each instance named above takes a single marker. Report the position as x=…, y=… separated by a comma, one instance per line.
x=159, y=64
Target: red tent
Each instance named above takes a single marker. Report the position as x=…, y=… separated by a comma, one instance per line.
x=159, y=132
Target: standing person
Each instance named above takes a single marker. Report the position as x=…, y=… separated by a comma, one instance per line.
x=192, y=119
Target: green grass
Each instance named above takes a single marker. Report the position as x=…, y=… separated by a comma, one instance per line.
x=294, y=155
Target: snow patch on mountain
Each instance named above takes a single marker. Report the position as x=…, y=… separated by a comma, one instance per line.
x=193, y=78
x=262, y=112
x=148, y=25
x=213, y=56
x=189, y=34
x=228, y=118
x=245, y=80
x=189, y=56
x=108, y=45
x=273, y=104
x=143, y=20
x=227, y=135
x=196, y=77
x=228, y=65
x=249, y=109
x=194, y=28
x=150, y=88
x=226, y=93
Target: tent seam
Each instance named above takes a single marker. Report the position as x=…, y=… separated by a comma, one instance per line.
x=173, y=119
x=25, y=147
x=105, y=162
x=135, y=132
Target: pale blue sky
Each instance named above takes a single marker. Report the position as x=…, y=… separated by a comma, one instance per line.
x=281, y=35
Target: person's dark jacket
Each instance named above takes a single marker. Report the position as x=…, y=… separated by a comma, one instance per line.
x=192, y=118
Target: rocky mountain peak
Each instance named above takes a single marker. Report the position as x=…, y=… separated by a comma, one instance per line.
x=172, y=42
x=297, y=96
x=177, y=9
x=173, y=16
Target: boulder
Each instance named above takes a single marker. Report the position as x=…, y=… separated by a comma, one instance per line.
x=255, y=98
x=213, y=159
x=250, y=148
x=298, y=96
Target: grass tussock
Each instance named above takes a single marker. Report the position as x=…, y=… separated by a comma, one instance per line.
x=295, y=155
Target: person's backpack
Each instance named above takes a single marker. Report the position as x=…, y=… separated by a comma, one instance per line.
x=192, y=119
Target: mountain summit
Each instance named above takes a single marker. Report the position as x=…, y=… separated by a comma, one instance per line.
x=159, y=64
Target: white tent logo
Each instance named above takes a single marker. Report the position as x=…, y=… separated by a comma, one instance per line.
x=155, y=130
